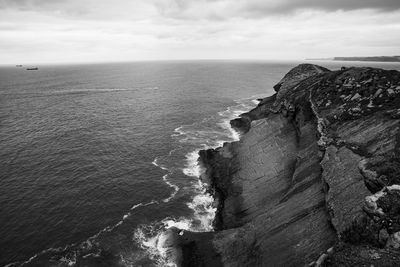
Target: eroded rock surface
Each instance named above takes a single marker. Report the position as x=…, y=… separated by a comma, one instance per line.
x=347, y=191
x=294, y=77
x=313, y=179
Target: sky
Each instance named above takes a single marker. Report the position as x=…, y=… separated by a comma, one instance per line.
x=57, y=31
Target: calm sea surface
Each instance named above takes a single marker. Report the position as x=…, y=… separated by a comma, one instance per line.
x=97, y=160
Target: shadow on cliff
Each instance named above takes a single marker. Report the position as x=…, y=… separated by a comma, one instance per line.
x=313, y=179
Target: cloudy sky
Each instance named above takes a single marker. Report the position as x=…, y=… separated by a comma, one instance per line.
x=35, y=31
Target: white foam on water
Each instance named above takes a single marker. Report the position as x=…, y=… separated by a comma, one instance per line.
x=124, y=217
x=174, y=186
x=203, y=207
x=39, y=254
x=177, y=131
x=165, y=179
x=155, y=163
x=192, y=167
x=153, y=237
x=233, y=135
x=70, y=261
x=83, y=246
x=183, y=223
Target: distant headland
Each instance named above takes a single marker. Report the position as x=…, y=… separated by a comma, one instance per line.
x=375, y=58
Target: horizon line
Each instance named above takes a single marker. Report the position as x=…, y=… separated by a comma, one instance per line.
x=30, y=64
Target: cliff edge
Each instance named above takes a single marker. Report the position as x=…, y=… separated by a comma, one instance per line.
x=314, y=179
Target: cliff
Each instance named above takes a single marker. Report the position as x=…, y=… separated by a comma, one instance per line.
x=313, y=180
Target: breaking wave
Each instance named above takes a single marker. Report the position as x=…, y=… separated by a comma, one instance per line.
x=69, y=253
x=211, y=132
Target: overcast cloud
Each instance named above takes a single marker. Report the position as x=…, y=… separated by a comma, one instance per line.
x=34, y=31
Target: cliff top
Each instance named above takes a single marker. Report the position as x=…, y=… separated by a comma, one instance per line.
x=314, y=179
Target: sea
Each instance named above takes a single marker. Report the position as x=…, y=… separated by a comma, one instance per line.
x=97, y=160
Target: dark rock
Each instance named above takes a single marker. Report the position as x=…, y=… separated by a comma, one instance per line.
x=317, y=165
x=347, y=192
x=242, y=124
x=394, y=241
x=387, y=169
x=295, y=76
x=349, y=255
x=383, y=237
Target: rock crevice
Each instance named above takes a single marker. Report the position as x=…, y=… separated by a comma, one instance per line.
x=296, y=189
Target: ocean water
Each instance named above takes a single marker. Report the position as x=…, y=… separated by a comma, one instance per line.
x=97, y=160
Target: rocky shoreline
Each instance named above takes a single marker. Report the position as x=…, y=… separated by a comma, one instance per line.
x=313, y=180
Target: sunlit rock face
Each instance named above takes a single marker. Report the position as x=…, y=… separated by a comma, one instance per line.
x=314, y=178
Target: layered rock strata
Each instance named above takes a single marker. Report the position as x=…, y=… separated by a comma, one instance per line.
x=313, y=179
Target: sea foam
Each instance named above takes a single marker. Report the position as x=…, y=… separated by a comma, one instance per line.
x=208, y=133
x=152, y=237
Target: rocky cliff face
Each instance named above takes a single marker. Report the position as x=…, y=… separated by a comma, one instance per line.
x=314, y=179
